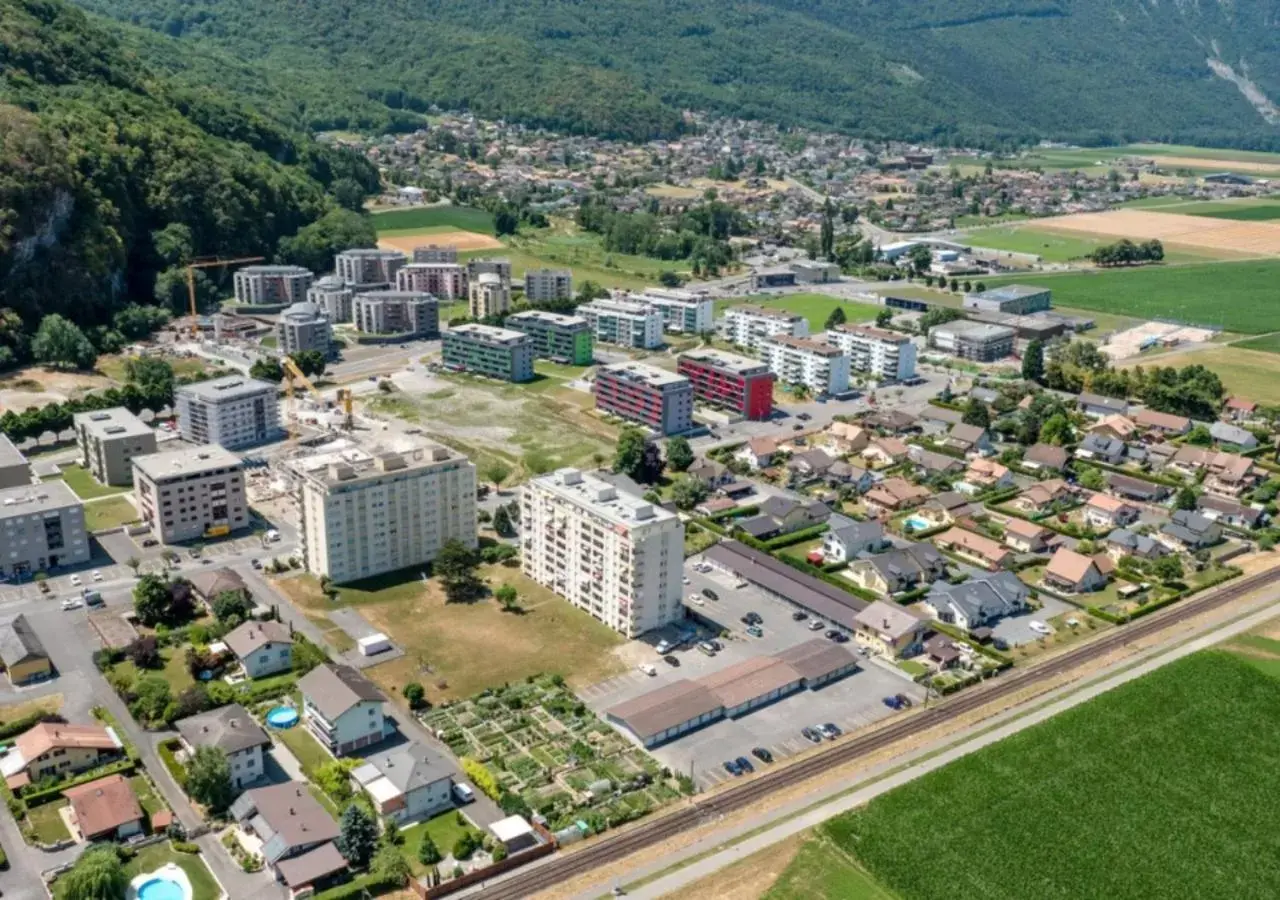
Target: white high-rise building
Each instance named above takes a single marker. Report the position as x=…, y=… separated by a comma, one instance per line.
x=628, y=323
x=684, y=312
x=610, y=553
x=821, y=368
x=365, y=513
x=751, y=326
x=233, y=411
x=884, y=354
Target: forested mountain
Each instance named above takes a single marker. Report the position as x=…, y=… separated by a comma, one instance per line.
x=111, y=173
x=981, y=71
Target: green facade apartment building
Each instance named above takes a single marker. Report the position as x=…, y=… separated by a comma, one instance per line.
x=493, y=352
x=563, y=339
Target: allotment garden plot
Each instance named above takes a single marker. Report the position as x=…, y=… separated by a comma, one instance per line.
x=540, y=742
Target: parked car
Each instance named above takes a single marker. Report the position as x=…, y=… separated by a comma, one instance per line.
x=256, y=563
x=1040, y=628
x=904, y=701
x=811, y=734
x=707, y=648
x=75, y=580
x=696, y=600
x=804, y=417
x=710, y=594
x=671, y=660
x=97, y=575
x=815, y=625
x=840, y=637
x=71, y=603
x=648, y=669
x=799, y=615
x=731, y=766
x=93, y=599
x=684, y=579
x=762, y=754
x=755, y=631
x=664, y=646
x=892, y=702
x=745, y=764
x=149, y=542
x=462, y=793
x=797, y=427
x=754, y=618
x=830, y=731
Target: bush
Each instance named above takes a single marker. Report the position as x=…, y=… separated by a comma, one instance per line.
x=481, y=777
x=185, y=847
x=465, y=845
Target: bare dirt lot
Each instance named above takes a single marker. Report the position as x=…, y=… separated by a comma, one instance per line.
x=1225, y=165
x=36, y=386
x=463, y=240
x=1257, y=238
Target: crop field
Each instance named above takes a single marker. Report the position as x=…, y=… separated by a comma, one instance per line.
x=1235, y=296
x=1252, y=374
x=1268, y=343
x=1245, y=212
x=1161, y=788
x=460, y=218
x=814, y=307
x=1039, y=238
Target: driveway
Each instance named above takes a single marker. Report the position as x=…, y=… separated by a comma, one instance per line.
x=1017, y=629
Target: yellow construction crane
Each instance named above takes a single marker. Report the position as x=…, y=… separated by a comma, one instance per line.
x=292, y=373
x=208, y=264
x=347, y=400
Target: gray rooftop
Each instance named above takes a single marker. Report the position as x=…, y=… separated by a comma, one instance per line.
x=549, y=318
x=488, y=334
x=36, y=498
x=335, y=689
x=9, y=454
x=252, y=636
x=1011, y=292
x=728, y=362
x=274, y=270
x=975, y=331
x=823, y=599
x=191, y=461
x=229, y=728
x=18, y=641
x=636, y=371
x=408, y=767
x=228, y=387
x=116, y=422
x=986, y=596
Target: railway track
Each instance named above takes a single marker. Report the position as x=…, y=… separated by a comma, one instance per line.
x=623, y=844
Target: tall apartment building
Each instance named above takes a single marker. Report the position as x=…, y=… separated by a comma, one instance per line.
x=406, y=313
x=443, y=280
x=232, y=411
x=728, y=381
x=751, y=326
x=489, y=295
x=184, y=495
x=883, y=354
x=270, y=285
x=41, y=527
x=973, y=340
x=548, y=285
x=15, y=471
x=304, y=326
x=624, y=322
x=651, y=396
x=435, y=253
x=334, y=297
x=490, y=265
x=109, y=439
x=368, y=268
x=683, y=312
x=485, y=350
x=609, y=553
x=821, y=368
x=368, y=513
x=564, y=339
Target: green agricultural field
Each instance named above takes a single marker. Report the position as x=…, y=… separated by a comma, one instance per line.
x=814, y=307
x=1248, y=373
x=460, y=218
x=1161, y=788
x=1268, y=343
x=1235, y=296
x=1245, y=212
x=1038, y=238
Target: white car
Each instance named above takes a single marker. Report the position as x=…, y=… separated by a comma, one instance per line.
x=685, y=580
x=647, y=669
x=696, y=600
x=72, y=603
x=1040, y=628
x=815, y=625
x=75, y=580
x=97, y=575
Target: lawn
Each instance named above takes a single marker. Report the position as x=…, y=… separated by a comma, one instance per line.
x=821, y=871
x=149, y=859
x=454, y=644
x=148, y=799
x=86, y=487
x=1245, y=373
x=1246, y=212
x=1037, y=237
x=814, y=307
x=1161, y=788
x=311, y=756
x=1236, y=296
x=444, y=830
x=174, y=671
x=460, y=218
x=46, y=822
x=1267, y=343
x=109, y=513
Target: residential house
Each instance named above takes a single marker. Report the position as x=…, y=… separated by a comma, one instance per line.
x=974, y=548
x=1026, y=537
x=894, y=495
x=736, y=490
x=944, y=508
x=941, y=652
x=1226, y=433
x=808, y=465
x=1073, y=573
x=263, y=648
x=207, y=584
x=715, y=505
x=1101, y=448
x=1161, y=454
x=885, y=451
x=893, y=421
x=343, y=709
x=1162, y=423
x=758, y=452
x=1045, y=458
x=929, y=464
x=105, y=810
x=890, y=630
x=1189, y=531
x=846, y=538
x=1043, y=497
x=968, y=439
x=1237, y=409
x=57, y=749
x=407, y=784
x=988, y=475
x=1225, y=473
x=710, y=473
x=1098, y=406
x=939, y=419
x=1119, y=427
x=979, y=602
x=24, y=657
x=292, y=825
x=1136, y=488
x=844, y=438
x=793, y=515
x=1122, y=542
x=1229, y=512
x=898, y=571
x=851, y=474
x=1104, y=511
x=233, y=731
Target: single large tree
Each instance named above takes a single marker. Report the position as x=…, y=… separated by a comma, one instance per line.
x=97, y=875
x=679, y=454
x=209, y=778
x=61, y=344
x=455, y=566
x=151, y=599
x=1185, y=498
x=637, y=457
x=836, y=317
x=1033, y=362
x=357, y=836
x=976, y=413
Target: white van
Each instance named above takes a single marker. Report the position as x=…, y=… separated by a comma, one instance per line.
x=462, y=793
x=647, y=669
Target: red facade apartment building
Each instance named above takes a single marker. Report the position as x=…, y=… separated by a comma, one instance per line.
x=651, y=396
x=729, y=381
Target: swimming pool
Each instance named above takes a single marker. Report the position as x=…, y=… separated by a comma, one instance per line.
x=167, y=883
x=915, y=523
x=282, y=717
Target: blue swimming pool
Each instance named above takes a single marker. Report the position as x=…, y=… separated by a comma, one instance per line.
x=915, y=523
x=282, y=717
x=161, y=889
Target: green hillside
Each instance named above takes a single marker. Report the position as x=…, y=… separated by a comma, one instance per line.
x=930, y=70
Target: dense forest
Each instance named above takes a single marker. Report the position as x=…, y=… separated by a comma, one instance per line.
x=111, y=174
x=981, y=72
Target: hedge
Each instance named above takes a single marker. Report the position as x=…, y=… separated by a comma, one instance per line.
x=170, y=760
x=48, y=795
x=359, y=887
x=909, y=597
x=738, y=512
x=481, y=777
x=27, y=722
x=999, y=496
x=796, y=537
x=1141, y=476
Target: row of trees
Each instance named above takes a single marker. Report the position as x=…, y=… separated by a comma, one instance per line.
x=1192, y=391
x=1126, y=253
x=699, y=234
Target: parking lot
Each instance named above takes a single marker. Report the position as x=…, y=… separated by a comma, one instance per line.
x=850, y=703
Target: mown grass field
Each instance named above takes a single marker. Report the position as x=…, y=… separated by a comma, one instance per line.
x=1246, y=212
x=814, y=307
x=461, y=218
x=1236, y=296
x=1037, y=237
x=1162, y=788
x=1267, y=343
x=1252, y=374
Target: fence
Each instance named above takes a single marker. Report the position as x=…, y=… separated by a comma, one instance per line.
x=476, y=876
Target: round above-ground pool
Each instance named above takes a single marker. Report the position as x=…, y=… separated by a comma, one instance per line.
x=282, y=717
x=167, y=883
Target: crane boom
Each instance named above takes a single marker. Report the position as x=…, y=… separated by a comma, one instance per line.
x=209, y=264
